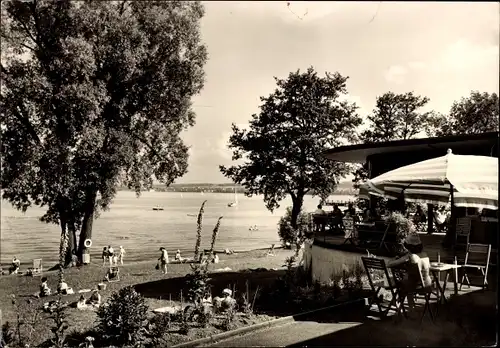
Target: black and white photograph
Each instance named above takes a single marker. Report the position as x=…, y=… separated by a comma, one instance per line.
x=249, y=173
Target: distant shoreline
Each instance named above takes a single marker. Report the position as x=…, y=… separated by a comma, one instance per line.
x=344, y=188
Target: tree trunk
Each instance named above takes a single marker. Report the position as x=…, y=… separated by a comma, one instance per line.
x=88, y=220
x=70, y=244
x=63, y=246
x=296, y=208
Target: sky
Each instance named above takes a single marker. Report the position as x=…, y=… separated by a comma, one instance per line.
x=442, y=50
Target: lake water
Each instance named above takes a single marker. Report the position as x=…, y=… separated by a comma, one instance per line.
x=132, y=223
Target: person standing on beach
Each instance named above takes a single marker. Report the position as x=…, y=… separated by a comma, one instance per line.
x=163, y=260
x=111, y=255
x=121, y=254
x=104, y=255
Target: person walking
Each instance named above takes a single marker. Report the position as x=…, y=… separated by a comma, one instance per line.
x=121, y=254
x=163, y=260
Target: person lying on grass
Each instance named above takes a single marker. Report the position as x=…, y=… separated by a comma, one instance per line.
x=95, y=298
x=112, y=274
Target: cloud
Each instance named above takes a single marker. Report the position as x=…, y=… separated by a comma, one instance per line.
x=222, y=143
x=292, y=10
x=460, y=56
x=463, y=54
x=396, y=74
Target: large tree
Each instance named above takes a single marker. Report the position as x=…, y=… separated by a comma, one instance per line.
x=477, y=113
x=282, y=149
x=395, y=117
x=94, y=94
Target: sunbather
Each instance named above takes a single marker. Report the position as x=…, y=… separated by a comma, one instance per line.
x=64, y=289
x=81, y=304
x=14, y=268
x=95, y=298
x=44, y=288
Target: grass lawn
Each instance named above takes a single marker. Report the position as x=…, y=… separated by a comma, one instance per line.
x=152, y=284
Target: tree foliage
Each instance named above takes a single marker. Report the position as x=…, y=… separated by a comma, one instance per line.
x=283, y=146
x=477, y=113
x=94, y=94
x=395, y=117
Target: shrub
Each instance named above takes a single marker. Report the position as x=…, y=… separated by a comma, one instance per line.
x=290, y=235
x=123, y=316
x=58, y=316
x=158, y=326
x=197, y=283
x=8, y=335
x=228, y=319
x=27, y=318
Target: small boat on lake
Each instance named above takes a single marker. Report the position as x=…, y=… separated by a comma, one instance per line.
x=235, y=202
x=157, y=208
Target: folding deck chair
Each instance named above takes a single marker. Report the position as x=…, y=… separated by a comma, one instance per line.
x=412, y=270
x=482, y=264
x=37, y=268
x=376, y=264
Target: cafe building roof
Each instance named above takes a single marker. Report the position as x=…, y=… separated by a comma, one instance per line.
x=385, y=156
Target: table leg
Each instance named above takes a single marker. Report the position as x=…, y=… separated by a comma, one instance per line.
x=455, y=281
x=441, y=296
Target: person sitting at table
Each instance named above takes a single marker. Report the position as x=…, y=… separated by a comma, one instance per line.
x=337, y=217
x=351, y=211
x=419, y=217
x=440, y=218
x=413, y=253
x=319, y=217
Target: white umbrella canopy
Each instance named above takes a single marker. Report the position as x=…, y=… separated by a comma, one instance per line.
x=474, y=180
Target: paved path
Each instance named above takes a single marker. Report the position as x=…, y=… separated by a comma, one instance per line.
x=285, y=335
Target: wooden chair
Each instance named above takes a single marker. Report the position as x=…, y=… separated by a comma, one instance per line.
x=463, y=234
x=376, y=264
x=481, y=264
x=412, y=271
x=37, y=268
x=349, y=230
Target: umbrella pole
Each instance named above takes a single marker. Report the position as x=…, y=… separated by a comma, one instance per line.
x=453, y=218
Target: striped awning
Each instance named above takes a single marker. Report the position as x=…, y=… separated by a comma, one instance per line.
x=474, y=180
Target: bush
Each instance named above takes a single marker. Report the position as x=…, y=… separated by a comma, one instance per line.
x=289, y=235
x=158, y=326
x=123, y=316
x=58, y=316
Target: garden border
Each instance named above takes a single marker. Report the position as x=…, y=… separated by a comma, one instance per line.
x=256, y=327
